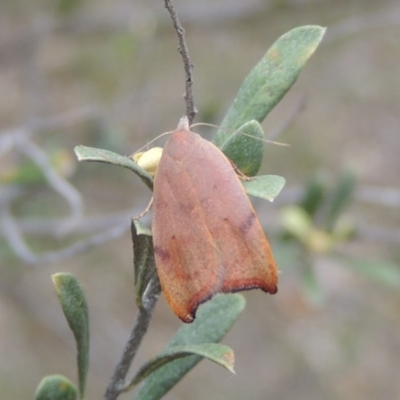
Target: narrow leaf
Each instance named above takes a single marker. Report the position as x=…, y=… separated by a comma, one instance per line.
x=84, y=153
x=296, y=222
x=220, y=354
x=213, y=320
x=314, y=194
x=74, y=306
x=265, y=186
x=271, y=78
x=340, y=198
x=143, y=258
x=56, y=387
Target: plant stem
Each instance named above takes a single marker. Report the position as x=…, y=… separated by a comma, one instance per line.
x=184, y=51
x=139, y=329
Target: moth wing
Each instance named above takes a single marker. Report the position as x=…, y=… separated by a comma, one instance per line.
x=188, y=263
x=207, y=237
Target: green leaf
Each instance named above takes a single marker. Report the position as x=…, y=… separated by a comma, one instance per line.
x=265, y=186
x=244, y=151
x=340, y=198
x=380, y=271
x=74, y=306
x=143, y=259
x=56, y=387
x=314, y=194
x=296, y=222
x=220, y=354
x=84, y=153
x=213, y=320
x=271, y=78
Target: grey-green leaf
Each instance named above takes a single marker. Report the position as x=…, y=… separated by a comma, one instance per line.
x=340, y=197
x=314, y=194
x=74, y=306
x=84, y=153
x=265, y=186
x=244, y=151
x=220, y=354
x=56, y=387
x=143, y=258
x=271, y=78
x=213, y=320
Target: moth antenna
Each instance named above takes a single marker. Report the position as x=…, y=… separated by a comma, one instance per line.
x=145, y=211
x=183, y=125
x=242, y=133
x=204, y=124
x=149, y=143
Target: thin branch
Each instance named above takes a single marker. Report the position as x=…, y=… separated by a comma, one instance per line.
x=139, y=329
x=65, y=119
x=56, y=182
x=8, y=138
x=86, y=225
x=110, y=226
x=20, y=139
x=13, y=235
x=21, y=248
x=183, y=50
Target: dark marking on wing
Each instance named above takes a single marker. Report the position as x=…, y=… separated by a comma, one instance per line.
x=163, y=254
x=245, y=227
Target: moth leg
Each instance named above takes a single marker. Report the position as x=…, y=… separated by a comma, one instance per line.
x=145, y=211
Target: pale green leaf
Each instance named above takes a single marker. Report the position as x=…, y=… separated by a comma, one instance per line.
x=84, y=153
x=265, y=186
x=220, y=354
x=56, y=387
x=74, y=306
x=213, y=320
x=243, y=150
x=271, y=78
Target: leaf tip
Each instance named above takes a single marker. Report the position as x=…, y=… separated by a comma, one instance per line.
x=77, y=151
x=57, y=280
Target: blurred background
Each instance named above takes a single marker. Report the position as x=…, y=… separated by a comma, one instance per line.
x=107, y=74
